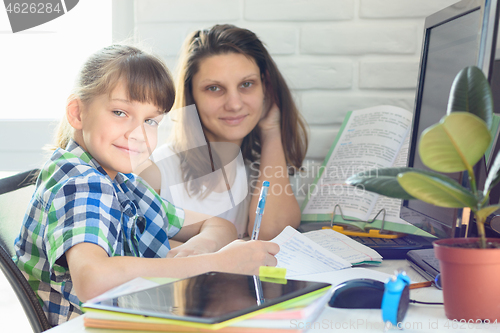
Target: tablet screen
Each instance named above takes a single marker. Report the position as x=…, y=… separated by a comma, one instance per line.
x=209, y=298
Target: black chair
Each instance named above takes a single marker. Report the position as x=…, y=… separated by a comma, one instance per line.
x=15, y=192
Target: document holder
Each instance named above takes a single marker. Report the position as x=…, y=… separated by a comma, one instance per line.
x=360, y=231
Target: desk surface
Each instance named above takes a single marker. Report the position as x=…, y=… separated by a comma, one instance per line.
x=419, y=318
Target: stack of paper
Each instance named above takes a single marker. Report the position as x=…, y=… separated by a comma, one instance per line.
x=298, y=316
x=320, y=251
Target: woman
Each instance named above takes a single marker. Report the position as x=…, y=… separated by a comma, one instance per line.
x=249, y=125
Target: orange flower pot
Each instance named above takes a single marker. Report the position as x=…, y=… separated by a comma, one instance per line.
x=471, y=280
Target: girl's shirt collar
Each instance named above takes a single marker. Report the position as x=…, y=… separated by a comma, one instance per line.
x=74, y=148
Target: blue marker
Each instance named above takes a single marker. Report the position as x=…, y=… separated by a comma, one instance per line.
x=260, y=209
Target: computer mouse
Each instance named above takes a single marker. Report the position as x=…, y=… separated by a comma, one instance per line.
x=358, y=294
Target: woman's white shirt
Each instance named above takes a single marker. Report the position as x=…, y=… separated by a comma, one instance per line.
x=232, y=204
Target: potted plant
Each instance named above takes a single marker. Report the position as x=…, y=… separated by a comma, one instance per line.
x=470, y=267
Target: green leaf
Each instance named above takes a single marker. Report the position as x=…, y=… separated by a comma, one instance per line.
x=493, y=175
x=454, y=144
x=471, y=92
x=381, y=181
x=486, y=211
x=436, y=189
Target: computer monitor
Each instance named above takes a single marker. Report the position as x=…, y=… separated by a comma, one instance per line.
x=461, y=35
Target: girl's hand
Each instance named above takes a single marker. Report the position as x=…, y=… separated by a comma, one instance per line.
x=270, y=120
x=245, y=257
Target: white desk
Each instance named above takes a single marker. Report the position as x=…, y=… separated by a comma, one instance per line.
x=419, y=318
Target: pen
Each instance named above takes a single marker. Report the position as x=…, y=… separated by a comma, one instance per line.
x=260, y=209
x=420, y=284
x=259, y=293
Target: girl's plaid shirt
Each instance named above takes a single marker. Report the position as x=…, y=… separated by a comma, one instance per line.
x=74, y=202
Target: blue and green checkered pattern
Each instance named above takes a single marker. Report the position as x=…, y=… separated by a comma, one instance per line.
x=75, y=202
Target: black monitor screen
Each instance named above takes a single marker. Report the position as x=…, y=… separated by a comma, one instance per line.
x=449, y=46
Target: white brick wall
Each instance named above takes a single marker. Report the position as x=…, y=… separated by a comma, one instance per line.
x=359, y=38
x=298, y=10
x=151, y=11
x=387, y=74
x=337, y=55
x=307, y=72
x=400, y=8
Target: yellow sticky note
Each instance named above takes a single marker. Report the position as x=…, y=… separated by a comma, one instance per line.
x=272, y=272
x=273, y=280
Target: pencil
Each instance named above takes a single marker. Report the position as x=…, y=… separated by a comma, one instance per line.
x=420, y=284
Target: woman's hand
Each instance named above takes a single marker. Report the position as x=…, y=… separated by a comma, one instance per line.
x=270, y=121
x=194, y=246
x=202, y=237
x=282, y=208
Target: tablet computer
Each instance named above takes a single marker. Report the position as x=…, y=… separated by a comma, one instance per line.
x=210, y=298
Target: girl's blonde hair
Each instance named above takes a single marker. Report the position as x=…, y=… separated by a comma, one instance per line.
x=148, y=81
x=225, y=39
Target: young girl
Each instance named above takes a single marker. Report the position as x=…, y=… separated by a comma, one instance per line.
x=241, y=99
x=91, y=225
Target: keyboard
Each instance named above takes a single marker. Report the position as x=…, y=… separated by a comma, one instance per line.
x=395, y=248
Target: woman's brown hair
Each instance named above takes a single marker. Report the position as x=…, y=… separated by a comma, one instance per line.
x=224, y=39
x=148, y=81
